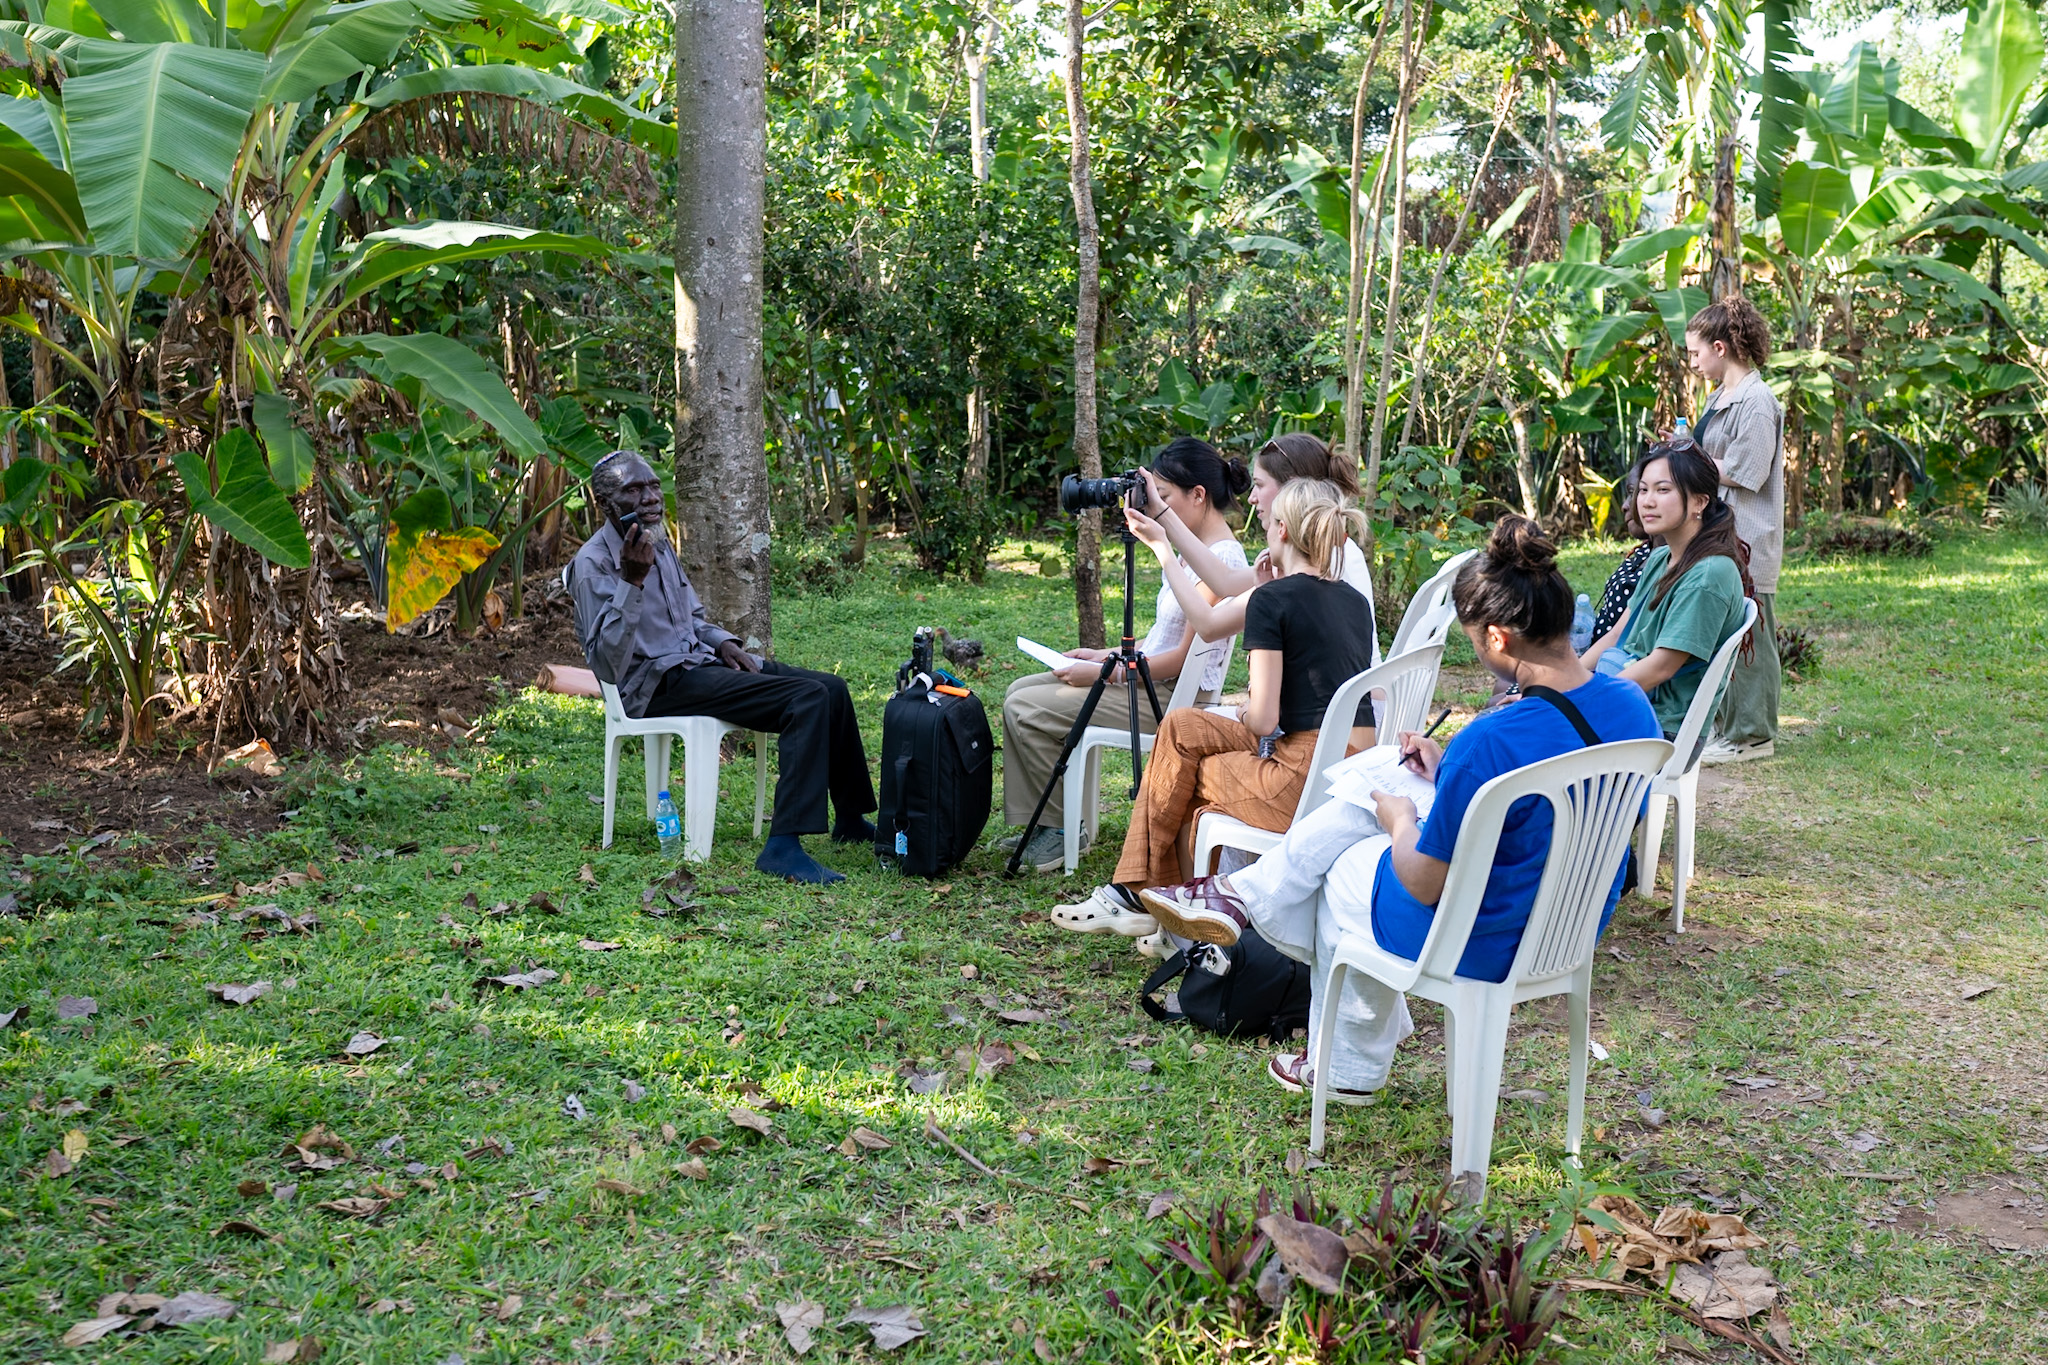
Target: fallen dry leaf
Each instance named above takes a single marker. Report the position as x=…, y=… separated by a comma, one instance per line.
x=355, y=1206
x=1779, y=1328
x=235, y=993
x=253, y=1189
x=1162, y=1204
x=508, y=1307
x=14, y=1018
x=362, y=1044
x=611, y=1186
x=891, y=1327
x=1308, y=1251
x=870, y=1139
x=293, y=1351
x=235, y=1227
x=744, y=1117
x=192, y=1306
x=92, y=1329
x=1099, y=1165
x=992, y=1059
x=703, y=1146
x=310, y=1146
x=693, y=1169
x=1727, y=1287
x=75, y=1144
x=799, y=1320
x=1299, y=1161
x=635, y=1092
x=257, y=756
x=573, y=1107
x=543, y=902
x=586, y=875
x=593, y=945
x=519, y=981
x=56, y=1164
x=76, y=1006
x=1024, y=1016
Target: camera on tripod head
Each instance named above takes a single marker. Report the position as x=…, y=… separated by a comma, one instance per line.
x=1079, y=495
x=921, y=652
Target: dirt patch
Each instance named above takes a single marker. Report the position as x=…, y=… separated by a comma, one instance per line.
x=63, y=791
x=2009, y=1213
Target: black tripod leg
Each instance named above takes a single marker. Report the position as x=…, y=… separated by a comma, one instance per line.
x=1059, y=769
x=1135, y=670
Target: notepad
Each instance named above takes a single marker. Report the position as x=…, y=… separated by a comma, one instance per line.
x=1051, y=658
x=1379, y=768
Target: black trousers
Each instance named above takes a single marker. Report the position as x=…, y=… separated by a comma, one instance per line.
x=819, y=749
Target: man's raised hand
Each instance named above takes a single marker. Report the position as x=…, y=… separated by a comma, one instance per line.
x=637, y=556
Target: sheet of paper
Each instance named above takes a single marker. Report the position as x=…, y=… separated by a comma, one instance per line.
x=1379, y=768
x=1051, y=658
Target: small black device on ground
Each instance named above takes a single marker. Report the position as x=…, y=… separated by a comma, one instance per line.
x=938, y=777
x=1078, y=495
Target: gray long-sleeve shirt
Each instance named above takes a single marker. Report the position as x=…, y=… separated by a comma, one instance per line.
x=1747, y=435
x=633, y=634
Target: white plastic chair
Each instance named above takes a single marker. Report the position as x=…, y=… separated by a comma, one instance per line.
x=700, y=736
x=1679, y=783
x=1083, y=789
x=1428, y=618
x=1407, y=681
x=1595, y=794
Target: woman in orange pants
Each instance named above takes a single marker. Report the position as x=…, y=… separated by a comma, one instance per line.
x=1307, y=632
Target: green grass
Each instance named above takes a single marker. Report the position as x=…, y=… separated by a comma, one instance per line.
x=1843, y=890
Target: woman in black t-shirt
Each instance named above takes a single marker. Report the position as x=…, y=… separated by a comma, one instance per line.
x=1308, y=633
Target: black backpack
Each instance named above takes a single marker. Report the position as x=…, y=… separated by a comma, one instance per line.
x=1260, y=990
x=937, y=777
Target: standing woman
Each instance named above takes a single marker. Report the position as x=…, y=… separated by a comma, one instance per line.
x=1742, y=430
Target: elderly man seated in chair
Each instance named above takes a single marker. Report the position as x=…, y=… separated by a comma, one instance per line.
x=644, y=631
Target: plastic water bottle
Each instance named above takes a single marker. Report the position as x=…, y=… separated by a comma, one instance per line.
x=1681, y=430
x=1582, y=624
x=668, y=826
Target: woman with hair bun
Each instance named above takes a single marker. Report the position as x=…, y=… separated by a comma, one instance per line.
x=1742, y=430
x=1306, y=634
x=1516, y=608
x=1689, y=598
x=1196, y=485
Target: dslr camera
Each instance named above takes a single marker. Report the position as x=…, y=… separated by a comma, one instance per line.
x=1079, y=495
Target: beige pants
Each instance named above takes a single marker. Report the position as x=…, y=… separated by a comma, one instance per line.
x=1038, y=711
x=1203, y=761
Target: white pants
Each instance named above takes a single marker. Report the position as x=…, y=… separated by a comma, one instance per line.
x=1281, y=892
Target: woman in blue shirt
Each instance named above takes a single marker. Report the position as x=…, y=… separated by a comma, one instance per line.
x=1516, y=608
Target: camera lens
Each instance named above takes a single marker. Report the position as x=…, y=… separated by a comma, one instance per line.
x=1079, y=495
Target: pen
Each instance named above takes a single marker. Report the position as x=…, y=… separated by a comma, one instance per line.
x=1438, y=723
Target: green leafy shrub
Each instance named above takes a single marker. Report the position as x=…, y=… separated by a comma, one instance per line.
x=1866, y=536
x=1799, y=651
x=955, y=532
x=812, y=564
x=2022, y=507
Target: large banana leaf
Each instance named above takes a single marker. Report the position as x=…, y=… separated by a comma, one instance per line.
x=156, y=21
x=1587, y=275
x=1965, y=223
x=1651, y=245
x=247, y=505
x=21, y=486
x=425, y=555
x=1814, y=198
x=2001, y=57
x=1676, y=307
x=1631, y=122
x=366, y=36
x=1781, y=112
x=1854, y=102
x=155, y=129
x=518, y=82
x=451, y=373
x=38, y=202
x=398, y=251
x=31, y=119
x=291, y=454
x=1605, y=336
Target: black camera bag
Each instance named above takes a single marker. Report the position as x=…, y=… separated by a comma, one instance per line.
x=937, y=778
x=1264, y=991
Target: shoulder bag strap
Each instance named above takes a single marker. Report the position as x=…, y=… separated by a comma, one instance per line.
x=1565, y=708
x=1163, y=973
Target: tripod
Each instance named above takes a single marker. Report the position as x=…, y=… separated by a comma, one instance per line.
x=1135, y=668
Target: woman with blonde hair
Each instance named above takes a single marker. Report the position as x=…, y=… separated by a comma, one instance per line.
x=1307, y=632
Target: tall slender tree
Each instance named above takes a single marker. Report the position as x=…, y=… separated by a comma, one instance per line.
x=721, y=462
x=1087, y=316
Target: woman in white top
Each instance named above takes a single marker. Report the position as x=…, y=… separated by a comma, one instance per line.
x=1215, y=605
x=1196, y=485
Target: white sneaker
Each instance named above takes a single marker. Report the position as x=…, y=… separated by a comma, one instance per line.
x=1155, y=944
x=1719, y=751
x=1108, y=910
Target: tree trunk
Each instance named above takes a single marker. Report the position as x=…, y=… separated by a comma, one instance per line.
x=721, y=461
x=1838, y=439
x=1087, y=316
x=1390, y=318
x=1525, y=461
x=1724, y=235
x=976, y=62
x=1357, y=318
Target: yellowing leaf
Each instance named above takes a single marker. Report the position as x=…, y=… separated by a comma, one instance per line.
x=421, y=567
x=75, y=1144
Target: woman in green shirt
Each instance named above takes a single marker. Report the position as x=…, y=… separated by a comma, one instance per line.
x=1689, y=598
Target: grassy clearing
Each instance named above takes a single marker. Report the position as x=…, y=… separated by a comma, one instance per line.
x=1844, y=892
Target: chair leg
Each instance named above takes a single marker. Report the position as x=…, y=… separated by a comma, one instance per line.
x=1075, y=792
x=1681, y=858
x=1476, y=1102
x=1580, y=1012
x=1091, y=790
x=612, y=745
x=1649, y=846
x=1324, y=1041
x=656, y=752
x=760, y=780
x=700, y=790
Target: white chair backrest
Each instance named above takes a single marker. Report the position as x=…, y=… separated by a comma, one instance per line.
x=1706, y=701
x=1201, y=653
x=1595, y=795
x=1422, y=608
x=614, y=709
x=1407, y=682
